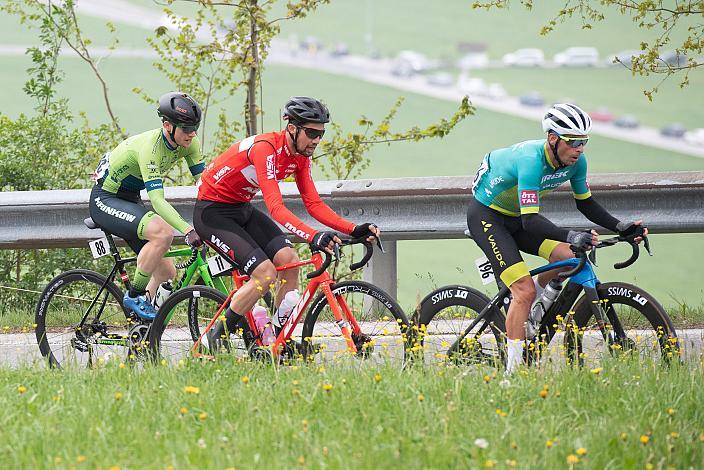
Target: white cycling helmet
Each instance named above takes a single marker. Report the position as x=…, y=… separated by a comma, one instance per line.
x=567, y=119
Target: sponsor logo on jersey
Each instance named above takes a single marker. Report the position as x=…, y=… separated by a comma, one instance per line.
x=220, y=244
x=554, y=176
x=220, y=173
x=495, y=181
x=529, y=197
x=270, y=168
x=297, y=231
x=114, y=212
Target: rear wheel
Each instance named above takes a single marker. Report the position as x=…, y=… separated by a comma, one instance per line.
x=442, y=318
x=78, y=324
x=382, y=324
x=635, y=324
x=181, y=321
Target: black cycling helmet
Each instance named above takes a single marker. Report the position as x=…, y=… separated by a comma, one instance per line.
x=180, y=109
x=303, y=109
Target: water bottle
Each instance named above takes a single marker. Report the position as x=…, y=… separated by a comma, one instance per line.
x=290, y=301
x=162, y=293
x=552, y=290
x=261, y=319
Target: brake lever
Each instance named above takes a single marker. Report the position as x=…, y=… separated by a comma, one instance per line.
x=592, y=255
x=337, y=252
x=378, y=243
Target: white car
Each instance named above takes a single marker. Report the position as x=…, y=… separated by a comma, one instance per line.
x=496, y=91
x=577, y=57
x=417, y=61
x=529, y=57
x=695, y=136
x=471, y=85
x=474, y=60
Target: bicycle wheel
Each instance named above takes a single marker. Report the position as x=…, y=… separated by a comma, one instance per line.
x=383, y=325
x=76, y=320
x=182, y=319
x=444, y=315
x=636, y=323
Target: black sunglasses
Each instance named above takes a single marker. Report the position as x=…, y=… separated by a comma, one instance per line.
x=313, y=133
x=574, y=142
x=188, y=129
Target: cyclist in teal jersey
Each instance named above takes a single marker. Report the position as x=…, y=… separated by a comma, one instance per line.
x=503, y=217
x=137, y=163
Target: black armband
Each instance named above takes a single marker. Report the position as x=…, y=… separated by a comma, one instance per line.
x=539, y=225
x=593, y=211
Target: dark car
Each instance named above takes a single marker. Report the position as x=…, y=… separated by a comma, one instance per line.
x=626, y=121
x=675, y=130
x=532, y=99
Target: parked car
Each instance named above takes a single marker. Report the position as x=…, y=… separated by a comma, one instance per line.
x=674, y=59
x=695, y=136
x=402, y=69
x=532, y=99
x=601, y=115
x=627, y=121
x=675, y=130
x=577, y=57
x=311, y=44
x=443, y=79
x=471, y=85
x=417, y=61
x=624, y=58
x=473, y=60
x=529, y=57
x=496, y=91
x=340, y=50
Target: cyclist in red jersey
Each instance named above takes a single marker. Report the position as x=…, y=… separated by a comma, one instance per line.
x=226, y=220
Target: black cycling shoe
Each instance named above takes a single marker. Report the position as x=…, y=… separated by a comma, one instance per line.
x=217, y=339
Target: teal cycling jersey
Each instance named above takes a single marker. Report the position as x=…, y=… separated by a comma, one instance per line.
x=140, y=162
x=512, y=180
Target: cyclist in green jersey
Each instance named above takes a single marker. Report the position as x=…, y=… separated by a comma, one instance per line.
x=137, y=163
x=503, y=217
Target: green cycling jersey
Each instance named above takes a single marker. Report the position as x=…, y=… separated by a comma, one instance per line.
x=511, y=180
x=140, y=162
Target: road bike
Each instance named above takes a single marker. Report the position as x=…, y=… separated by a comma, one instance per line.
x=346, y=318
x=80, y=318
x=462, y=325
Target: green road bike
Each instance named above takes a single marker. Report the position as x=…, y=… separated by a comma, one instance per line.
x=80, y=320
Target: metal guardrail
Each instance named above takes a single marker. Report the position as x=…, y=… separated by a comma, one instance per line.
x=404, y=208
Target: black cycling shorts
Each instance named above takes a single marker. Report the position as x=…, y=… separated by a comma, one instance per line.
x=122, y=214
x=501, y=237
x=239, y=232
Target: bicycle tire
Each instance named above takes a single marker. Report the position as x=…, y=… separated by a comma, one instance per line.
x=383, y=324
x=444, y=314
x=61, y=307
x=648, y=328
x=181, y=320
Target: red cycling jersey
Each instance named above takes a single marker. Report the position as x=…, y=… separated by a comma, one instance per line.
x=260, y=162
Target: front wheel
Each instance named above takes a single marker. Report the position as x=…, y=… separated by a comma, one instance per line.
x=383, y=326
x=181, y=321
x=80, y=320
x=635, y=323
x=442, y=319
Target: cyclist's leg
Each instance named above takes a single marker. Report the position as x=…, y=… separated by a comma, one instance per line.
x=550, y=250
x=150, y=260
x=220, y=226
x=493, y=233
x=277, y=248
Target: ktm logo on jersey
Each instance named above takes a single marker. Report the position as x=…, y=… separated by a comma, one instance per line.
x=270, y=167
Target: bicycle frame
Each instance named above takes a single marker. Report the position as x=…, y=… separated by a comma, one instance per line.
x=341, y=311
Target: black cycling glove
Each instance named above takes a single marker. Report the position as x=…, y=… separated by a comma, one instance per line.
x=582, y=240
x=321, y=240
x=363, y=230
x=193, y=239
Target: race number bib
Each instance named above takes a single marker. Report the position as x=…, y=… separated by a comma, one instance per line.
x=485, y=270
x=99, y=248
x=217, y=264
x=102, y=167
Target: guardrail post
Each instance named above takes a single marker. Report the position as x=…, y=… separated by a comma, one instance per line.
x=381, y=270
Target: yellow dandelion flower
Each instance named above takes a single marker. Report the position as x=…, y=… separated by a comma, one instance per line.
x=489, y=463
x=581, y=451
x=487, y=379
x=377, y=378
x=190, y=389
x=118, y=396
x=649, y=466
x=21, y=389
x=670, y=411
x=421, y=397
x=203, y=416
x=549, y=444
x=674, y=434
x=183, y=410
x=58, y=459
x=514, y=445
x=115, y=467
x=510, y=463
x=301, y=460
x=644, y=439
x=325, y=451
x=327, y=387
x=81, y=459
x=122, y=365
x=597, y=371
x=701, y=437
x=543, y=394
x=572, y=459
x=245, y=379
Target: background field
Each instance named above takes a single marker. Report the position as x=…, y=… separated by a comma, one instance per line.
x=423, y=265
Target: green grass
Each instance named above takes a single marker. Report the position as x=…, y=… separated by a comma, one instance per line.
x=372, y=416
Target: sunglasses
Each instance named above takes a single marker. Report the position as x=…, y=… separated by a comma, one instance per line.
x=574, y=142
x=188, y=129
x=313, y=133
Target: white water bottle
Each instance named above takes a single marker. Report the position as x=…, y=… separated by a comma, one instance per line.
x=290, y=301
x=261, y=319
x=552, y=290
x=162, y=293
